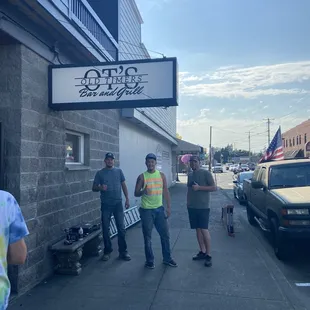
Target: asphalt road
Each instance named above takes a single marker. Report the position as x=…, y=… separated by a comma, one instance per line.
x=297, y=270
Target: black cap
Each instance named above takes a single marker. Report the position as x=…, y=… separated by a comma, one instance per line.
x=194, y=158
x=150, y=156
x=109, y=155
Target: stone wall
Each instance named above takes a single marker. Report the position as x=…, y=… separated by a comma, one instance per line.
x=10, y=113
x=53, y=198
x=10, y=117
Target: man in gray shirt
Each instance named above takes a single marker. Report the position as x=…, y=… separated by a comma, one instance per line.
x=110, y=181
x=200, y=183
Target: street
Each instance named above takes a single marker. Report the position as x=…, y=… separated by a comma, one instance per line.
x=297, y=270
x=243, y=275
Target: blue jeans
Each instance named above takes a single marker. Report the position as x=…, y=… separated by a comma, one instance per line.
x=106, y=214
x=157, y=218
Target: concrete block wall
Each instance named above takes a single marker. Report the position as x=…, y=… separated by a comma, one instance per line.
x=51, y=197
x=10, y=113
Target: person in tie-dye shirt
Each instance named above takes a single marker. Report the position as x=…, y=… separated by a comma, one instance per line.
x=13, y=249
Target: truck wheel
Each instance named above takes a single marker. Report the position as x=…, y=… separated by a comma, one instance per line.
x=280, y=246
x=250, y=215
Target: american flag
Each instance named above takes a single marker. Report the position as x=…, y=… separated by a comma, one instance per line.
x=275, y=149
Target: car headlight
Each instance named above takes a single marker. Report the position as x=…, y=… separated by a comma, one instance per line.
x=297, y=211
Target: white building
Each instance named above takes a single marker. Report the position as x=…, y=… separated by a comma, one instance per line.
x=142, y=130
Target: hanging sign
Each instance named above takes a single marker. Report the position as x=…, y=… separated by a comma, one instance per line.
x=124, y=84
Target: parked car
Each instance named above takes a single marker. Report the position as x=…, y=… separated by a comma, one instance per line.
x=228, y=166
x=278, y=200
x=237, y=169
x=244, y=167
x=238, y=185
x=218, y=168
x=252, y=166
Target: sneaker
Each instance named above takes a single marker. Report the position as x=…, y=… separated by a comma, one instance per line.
x=200, y=256
x=105, y=257
x=208, y=261
x=149, y=265
x=125, y=256
x=170, y=263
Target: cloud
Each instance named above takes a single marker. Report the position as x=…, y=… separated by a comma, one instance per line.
x=265, y=107
x=249, y=82
x=233, y=129
x=222, y=110
x=204, y=112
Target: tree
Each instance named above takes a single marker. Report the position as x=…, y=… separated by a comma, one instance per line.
x=178, y=136
x=217, y=156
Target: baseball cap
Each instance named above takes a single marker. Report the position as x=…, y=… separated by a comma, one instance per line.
x=109, y=155
x=150, y=156
x=194, y=158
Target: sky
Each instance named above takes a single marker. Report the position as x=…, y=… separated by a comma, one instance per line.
x=240, y=62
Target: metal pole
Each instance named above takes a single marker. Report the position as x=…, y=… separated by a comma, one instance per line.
x=268, y=126
x=178, y=180
x=268, y=131
x=210, y=149
x=249, y=144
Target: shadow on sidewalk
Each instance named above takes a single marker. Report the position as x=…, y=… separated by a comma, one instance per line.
x=239, y=278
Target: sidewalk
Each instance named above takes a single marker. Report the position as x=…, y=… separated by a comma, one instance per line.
x=242, y=276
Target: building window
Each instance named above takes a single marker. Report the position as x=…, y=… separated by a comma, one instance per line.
x=305, y=138
x=297, y=140
x=290, y=142
x=74, y=148
x=293, y=141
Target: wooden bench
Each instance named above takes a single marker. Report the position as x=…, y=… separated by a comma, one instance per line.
x=68, y=256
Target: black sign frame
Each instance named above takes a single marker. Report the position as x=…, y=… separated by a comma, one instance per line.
x=101, y=105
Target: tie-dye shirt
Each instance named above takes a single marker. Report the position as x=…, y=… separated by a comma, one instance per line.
x=12, y=229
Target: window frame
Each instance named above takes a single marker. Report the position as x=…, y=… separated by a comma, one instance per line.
x=81, y=147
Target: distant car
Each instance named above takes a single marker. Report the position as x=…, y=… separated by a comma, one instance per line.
x=237, y=169
x=232, y=168
x=244, y=167
x=238, y=185
x=252, y=166
x=217, y=168
x=228, y=166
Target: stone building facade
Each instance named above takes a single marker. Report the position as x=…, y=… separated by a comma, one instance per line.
x=50, y=157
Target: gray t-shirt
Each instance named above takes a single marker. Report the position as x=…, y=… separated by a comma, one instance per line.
x=113, y=178
x=199, y=199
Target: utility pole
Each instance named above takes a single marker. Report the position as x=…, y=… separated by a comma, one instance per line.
x=268, y=125
x=210, y=150
x=249, y=144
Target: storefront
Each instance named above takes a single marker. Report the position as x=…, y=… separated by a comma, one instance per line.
x=55, y=129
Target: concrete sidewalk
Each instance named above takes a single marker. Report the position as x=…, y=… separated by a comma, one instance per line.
x=242, y=276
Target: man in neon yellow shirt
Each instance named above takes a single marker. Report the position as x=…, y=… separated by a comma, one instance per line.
x=152, y=186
